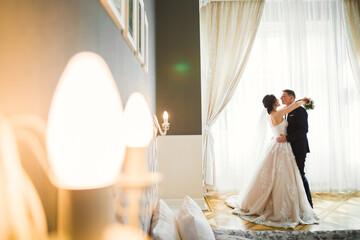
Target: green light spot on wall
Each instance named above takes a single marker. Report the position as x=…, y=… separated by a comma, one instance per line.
x=182, y=67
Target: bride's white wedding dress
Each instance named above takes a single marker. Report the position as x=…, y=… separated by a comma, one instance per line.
x=276, y=195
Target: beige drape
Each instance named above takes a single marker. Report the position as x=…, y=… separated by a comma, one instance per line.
x=227, y=33
x=352, y=25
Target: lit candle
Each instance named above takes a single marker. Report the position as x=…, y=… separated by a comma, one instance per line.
x=166, y=117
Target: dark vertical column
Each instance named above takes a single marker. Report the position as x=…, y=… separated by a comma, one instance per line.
x=178, y=89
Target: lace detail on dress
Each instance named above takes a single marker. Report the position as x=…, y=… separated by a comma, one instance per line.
x=285, y=212
x=265, y=178
x=292, y=192
x=280, y=165
x=262, y=220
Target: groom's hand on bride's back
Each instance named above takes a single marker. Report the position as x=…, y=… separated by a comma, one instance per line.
x=281, y=139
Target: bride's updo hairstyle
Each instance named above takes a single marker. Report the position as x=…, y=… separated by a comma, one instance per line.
x=269, y=101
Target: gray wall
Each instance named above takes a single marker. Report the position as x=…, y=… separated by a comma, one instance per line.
x=37, y=38
x=178, y=65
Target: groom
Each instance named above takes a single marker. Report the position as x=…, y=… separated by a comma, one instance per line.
x=296, y=135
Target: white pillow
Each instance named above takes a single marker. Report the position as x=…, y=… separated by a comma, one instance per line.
x=163, y=223
x=193, y=224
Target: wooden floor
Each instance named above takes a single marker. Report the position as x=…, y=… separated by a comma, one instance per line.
x=337, y=211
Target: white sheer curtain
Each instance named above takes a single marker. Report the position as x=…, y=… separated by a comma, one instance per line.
x=228, y=31
x=352, y=26
x=301, y=45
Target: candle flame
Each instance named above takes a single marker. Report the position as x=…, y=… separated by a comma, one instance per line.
x=165, y=115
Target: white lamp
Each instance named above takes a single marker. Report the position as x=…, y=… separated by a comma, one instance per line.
x=85, y=146
x=138, y=132
x=138, y=126
x=84, y=139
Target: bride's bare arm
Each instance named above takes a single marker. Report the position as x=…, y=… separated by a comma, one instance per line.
x=305, y=99
x=282, y=112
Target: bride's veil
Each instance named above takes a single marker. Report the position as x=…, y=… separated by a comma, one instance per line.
x=260, y=142
x=262, y=137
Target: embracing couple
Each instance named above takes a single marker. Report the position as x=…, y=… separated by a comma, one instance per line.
x=279, y=194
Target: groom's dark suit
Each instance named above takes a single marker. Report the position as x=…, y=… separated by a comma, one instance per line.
x=296, y=135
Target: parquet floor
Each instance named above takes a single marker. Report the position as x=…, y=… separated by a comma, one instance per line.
x=337, y=211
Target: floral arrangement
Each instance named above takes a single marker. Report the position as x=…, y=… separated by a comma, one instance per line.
x=309, y=105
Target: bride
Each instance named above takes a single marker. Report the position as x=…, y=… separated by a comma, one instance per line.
x=276, y=195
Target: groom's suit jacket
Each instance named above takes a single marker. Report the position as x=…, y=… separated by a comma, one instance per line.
x=297, y=130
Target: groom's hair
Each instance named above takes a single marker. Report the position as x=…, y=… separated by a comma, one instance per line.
x=290, y=92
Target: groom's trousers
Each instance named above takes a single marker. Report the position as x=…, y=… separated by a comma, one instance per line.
x=300, y=161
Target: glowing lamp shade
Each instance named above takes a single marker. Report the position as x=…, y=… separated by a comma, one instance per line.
x=84, y=137
x=138, y=125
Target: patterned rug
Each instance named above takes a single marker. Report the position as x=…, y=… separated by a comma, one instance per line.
x=229, y=234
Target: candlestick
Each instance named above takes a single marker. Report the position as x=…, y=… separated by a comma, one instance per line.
x=164, y=126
